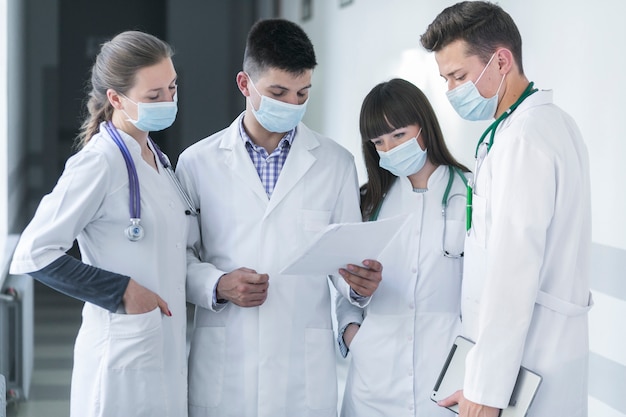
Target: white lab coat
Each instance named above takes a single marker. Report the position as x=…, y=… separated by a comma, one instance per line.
x=530, y=237
x=414, y=315
x=124, y=365
x=277, y=359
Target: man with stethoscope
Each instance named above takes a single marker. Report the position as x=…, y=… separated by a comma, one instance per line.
x=525, y=290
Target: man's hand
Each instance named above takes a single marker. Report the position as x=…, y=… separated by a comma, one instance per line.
x=243, y=287
x=138, y=299
x=468, y=408
x=364, y=281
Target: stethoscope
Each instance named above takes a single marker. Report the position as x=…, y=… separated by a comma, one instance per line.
x=483, y=148
x=445, y=202
x=135, y=231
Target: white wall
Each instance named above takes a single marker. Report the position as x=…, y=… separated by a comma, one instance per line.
x=573, y=47
x=3, y=125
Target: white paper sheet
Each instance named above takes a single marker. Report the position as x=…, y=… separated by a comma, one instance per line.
x=341, y=244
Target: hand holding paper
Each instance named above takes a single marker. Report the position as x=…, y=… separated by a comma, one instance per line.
x=364, y=281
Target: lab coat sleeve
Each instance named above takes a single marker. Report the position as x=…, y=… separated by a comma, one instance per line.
x=202, y=277
x=522, y=200
x=347, y=313
x=64, y=213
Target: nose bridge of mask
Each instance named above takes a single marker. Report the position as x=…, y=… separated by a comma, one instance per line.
x=404, y=145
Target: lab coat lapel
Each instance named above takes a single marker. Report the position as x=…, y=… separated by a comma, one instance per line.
x=238, y=160
x=299, y=161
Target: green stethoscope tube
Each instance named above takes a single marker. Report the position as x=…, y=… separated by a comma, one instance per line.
x=491, y=131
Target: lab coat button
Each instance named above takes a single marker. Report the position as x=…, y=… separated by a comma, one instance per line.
x=414, y=270
x=411, y=407
x=410, y=337
x=411, y=306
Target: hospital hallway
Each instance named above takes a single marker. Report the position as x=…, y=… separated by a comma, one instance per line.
x=56, y=322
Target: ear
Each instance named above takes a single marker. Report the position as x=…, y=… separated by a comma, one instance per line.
x=114, y=98
x=505, y=60
x=242, y=83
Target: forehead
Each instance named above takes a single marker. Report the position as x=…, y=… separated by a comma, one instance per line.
x=155, y=76
x=454, y=57
x=275, y=77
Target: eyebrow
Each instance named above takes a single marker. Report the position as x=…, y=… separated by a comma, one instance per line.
x=287, y=89
x=159, y=89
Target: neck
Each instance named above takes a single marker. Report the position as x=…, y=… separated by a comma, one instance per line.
x=120, y=122
x=513, y=89
x=420, y=178
x=259, y=135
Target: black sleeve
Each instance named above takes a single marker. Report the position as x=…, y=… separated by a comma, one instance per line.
x=85, y=282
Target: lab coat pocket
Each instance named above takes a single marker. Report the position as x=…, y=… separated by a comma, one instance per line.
x=133, y=378
x=136, y=341
x=479, y=220
x=320, y=370
x=314, y=220
x=206, y=366
x=454, y=237
x=377, y=350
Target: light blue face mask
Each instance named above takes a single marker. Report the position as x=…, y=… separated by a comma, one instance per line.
x=405, y=159
x=152, y=117
x=468, y=102
x=277, y=116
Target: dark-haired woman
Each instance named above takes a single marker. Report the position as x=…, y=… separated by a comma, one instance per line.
x=399, y=342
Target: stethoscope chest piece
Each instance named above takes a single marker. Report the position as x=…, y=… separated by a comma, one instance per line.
x=134, y=231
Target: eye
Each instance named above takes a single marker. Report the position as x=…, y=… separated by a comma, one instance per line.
x=460, y=77
x=376, y=142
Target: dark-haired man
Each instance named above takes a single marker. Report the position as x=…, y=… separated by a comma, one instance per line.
x=266, y=185
x=525, y=288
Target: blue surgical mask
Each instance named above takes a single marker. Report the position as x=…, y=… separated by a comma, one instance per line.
x=152, y=117
x=468, y=102
x=277, y=116
x=405, y=159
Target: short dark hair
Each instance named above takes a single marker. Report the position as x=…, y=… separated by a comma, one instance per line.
x=484, y=27
x=392, y=105
x=278, y=43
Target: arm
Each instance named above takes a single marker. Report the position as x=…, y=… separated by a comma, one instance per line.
x=522, y=203
x=60, y=217
x=208, y=286
x=349, y=319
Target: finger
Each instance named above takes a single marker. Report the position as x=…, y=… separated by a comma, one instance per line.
x=259, y=279
x=364, y=273
x=451, y=400
x=373, y=265
x=163, y=306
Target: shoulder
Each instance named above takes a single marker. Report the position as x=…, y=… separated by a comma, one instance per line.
x=319, y=143
x=206, y=145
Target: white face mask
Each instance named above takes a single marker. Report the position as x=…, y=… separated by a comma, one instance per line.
x=405, y=159
x=152, y=117
x=470, y=104
x=275, y=115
